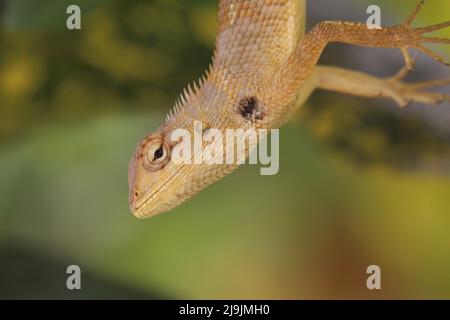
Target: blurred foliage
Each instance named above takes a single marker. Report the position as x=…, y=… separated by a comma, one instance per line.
x=46, y=281
x=372, y=135
x=129, y=55
x=73, y=104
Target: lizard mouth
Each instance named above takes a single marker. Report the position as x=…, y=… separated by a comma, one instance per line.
x=136, y=208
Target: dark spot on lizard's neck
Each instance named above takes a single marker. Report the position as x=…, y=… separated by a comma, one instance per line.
x=250, y=108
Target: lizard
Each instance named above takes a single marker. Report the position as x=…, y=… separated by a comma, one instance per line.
x=264, y=67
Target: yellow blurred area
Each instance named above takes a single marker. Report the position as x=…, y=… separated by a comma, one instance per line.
x=21, y=76
x=121, y=59
x=204, y=24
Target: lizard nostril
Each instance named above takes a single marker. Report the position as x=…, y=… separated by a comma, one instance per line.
x=136, y=194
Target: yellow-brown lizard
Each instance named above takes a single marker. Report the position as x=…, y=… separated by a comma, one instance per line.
x=263, y=70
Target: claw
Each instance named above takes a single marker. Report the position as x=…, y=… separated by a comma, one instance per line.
x=431, y=84
x=409, y=63
x=432, y=28
x=413, y=15
x=432, y=54
x=402, y=73
x=435, y=40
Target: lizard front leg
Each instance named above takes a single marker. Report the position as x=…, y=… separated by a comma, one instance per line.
x=300, y=66
x=361, y=84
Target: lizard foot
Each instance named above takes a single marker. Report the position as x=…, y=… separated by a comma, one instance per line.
x=414, y=38
x=406, y=93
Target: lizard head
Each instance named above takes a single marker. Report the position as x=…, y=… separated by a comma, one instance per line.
x=158, y=183
x=152, y=177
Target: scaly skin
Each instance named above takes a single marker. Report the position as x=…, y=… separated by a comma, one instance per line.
x=262, y=55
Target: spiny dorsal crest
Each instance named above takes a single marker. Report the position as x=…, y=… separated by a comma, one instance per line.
x=188, y=94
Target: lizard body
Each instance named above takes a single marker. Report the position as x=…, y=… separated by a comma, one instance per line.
x=264, y=68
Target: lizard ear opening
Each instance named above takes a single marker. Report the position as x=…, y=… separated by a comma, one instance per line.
x=155, y=154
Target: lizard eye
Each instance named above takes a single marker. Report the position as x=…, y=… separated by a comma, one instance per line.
x=155, y=154
x=159, y=153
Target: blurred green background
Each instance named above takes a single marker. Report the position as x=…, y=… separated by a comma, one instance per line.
x=361, y=182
